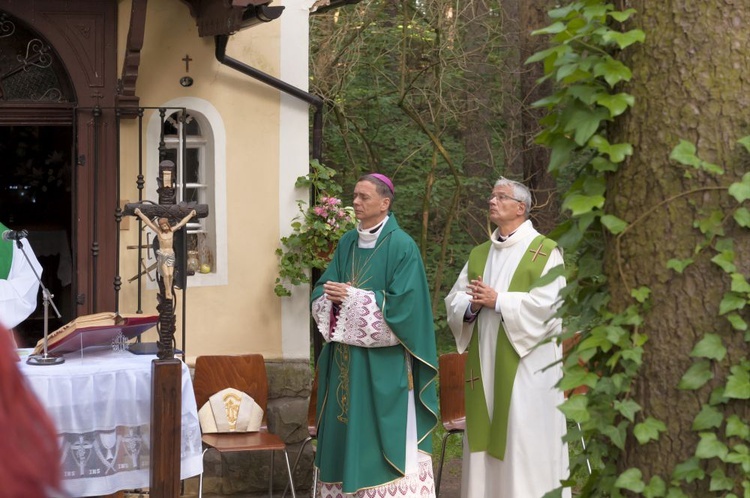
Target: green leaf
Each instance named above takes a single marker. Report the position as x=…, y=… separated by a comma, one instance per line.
x=613, y=71
x=622, y=16
x=740, y=284
x=552, y=29
x=745, y=141
x=738, y=383
x=730, y=302
x=624, y=40
x=679, y=265
x=741, y=190
x=740, y=456
x=688, y=471
x=737, y=322
x=627, y=408
x=709, y=446
x=684, y=153
x=742, y=217
x=613, y=223
x=720, y=481
x=580, y=204
x=648, y=430
x=576, y=409
x=696, y=376
x=617, y=103
x=616, y=434
x=725, y=260
x=641, y=294
x=708, y=418
x=656, y=487
x=737, y=427
x=632, y=480
x=711, y=347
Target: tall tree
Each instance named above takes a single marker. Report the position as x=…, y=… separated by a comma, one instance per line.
x=690, y=83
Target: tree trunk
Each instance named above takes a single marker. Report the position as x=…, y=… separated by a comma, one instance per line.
x=690, y=82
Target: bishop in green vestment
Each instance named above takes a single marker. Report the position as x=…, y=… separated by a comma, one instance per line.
x=377, y=400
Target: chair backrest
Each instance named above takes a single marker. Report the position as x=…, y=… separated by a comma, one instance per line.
x=451, y=375
x=246, y=373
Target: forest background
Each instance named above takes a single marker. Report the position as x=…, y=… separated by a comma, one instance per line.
x=630, y=126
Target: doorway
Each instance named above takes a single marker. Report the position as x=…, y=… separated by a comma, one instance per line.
x=36, y=185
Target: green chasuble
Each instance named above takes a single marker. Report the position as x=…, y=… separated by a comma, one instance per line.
x=6, y=255
x=363, y=392
x=490, y=433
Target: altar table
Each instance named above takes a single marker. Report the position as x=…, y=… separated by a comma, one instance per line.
x=100, y=402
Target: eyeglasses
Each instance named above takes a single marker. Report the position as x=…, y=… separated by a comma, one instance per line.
x=503, y=197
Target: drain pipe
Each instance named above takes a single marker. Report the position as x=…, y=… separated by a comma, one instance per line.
x=312, y=99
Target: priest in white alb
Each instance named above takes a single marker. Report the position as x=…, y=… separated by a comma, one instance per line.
x=513, y=447
x=19, y=286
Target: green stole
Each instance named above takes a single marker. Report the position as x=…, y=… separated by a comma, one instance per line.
x=483, y=434
x=6, y=255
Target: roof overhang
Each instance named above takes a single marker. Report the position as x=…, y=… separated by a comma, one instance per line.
x=224, y=17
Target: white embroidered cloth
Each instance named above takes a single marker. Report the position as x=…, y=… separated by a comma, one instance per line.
x=230, y=410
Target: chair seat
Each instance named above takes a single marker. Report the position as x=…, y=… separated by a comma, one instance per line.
x=228, y=442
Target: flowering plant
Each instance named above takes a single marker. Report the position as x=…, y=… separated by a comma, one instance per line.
x=315, y=231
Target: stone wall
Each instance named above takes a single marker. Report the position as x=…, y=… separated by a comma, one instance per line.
x=246, y=474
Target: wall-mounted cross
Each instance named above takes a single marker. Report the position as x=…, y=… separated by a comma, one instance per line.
x=187, y=60
x=472, y=379
x=537, y=252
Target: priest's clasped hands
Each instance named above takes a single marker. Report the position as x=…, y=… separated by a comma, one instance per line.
x=481, y=295
x=336, y=292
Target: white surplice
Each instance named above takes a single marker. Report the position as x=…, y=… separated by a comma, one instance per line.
x=535, y=457
x=19, y=291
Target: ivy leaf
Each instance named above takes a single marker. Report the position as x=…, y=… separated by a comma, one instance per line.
x=684, y=153
x=656, y=487
x=676, y=493
x=679, y=265
x=613, y=71
x=576, y=409
x=720, y=481
x=725, y=260
x=730, y=302
x=745, y=141
x=696, y=376
x=627, y=408
x=737, y=427
x=708, y=418
x=648, y=430
x=622, y=16
x=688, y=471
x=737, y=322
x=641, y=294
x=613, y=223
x=626, y=39
x=709, y=446
x=616, y=434
x=632, y=480
x=617, y=103
x=577, y=376
x=739, y=284
x=741, y=190
x=742, y=217
x=580, y=204
x=554, y=28
x=711, y=347
x=738, y=383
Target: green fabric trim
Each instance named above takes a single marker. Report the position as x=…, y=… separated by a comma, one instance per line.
x=6, y=255
x=485, y=434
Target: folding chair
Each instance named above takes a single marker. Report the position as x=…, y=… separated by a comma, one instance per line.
x=452, y=410
x=312, y=430
x=246, y=373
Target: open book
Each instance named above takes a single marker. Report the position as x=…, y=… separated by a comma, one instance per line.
x=99, y=329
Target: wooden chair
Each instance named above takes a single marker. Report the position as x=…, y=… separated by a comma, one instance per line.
x=452, y=409
x=312, y=430
x=246, y=373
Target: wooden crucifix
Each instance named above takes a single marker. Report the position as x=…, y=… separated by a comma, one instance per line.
x=166, y=371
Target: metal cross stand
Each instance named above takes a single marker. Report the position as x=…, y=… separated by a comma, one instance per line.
x=45, y=358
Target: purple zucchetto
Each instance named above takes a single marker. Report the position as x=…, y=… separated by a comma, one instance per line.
x=384, y=179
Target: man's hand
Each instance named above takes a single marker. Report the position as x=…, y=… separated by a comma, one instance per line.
x=481, y=295
x=336, y=292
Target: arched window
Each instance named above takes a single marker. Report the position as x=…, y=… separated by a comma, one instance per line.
x=194, y=139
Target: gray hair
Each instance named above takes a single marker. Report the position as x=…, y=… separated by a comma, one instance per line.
x=520, y=192
x=380, y=187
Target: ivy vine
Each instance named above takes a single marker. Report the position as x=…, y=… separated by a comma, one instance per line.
x=581, y=59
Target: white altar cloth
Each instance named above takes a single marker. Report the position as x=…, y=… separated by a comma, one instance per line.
x=100, y=403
